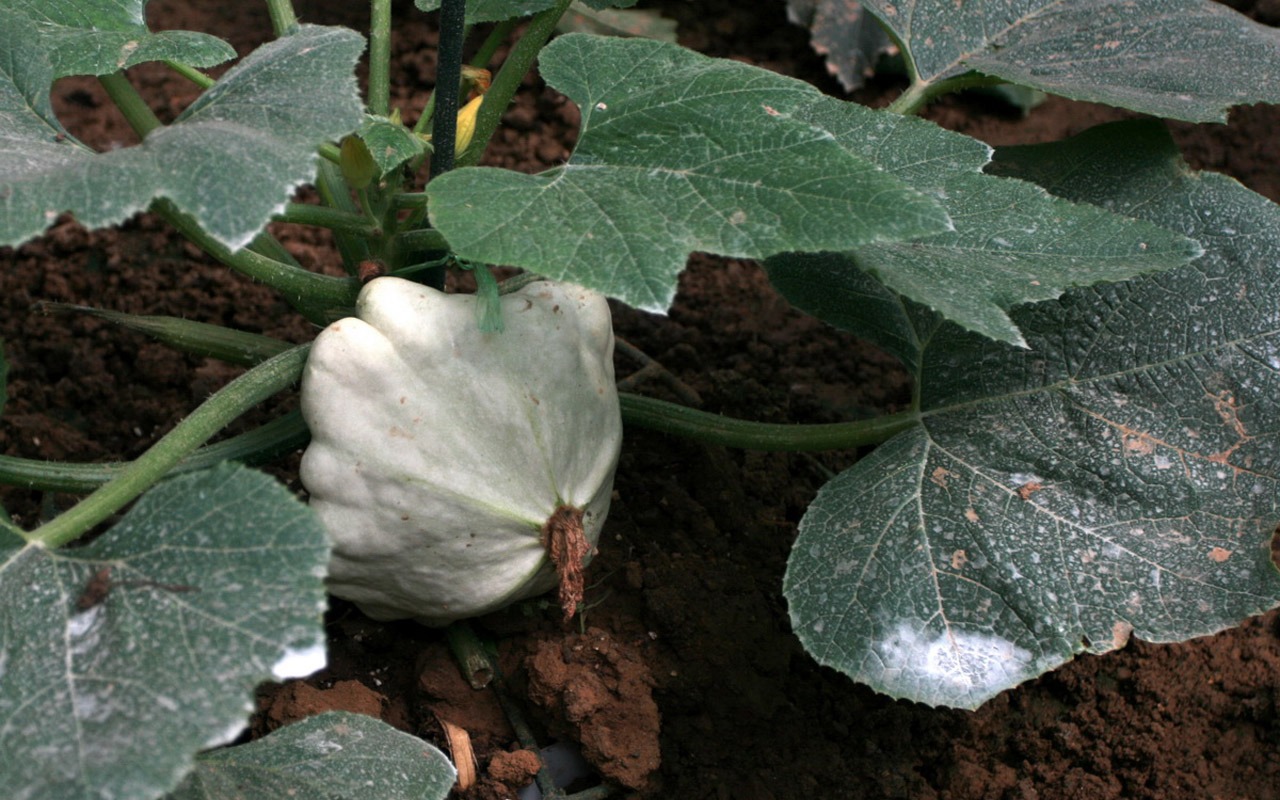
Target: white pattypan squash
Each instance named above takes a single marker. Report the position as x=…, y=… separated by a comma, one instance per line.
x=458, y=471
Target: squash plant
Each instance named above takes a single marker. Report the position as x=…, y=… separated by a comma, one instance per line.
x=1090, y=454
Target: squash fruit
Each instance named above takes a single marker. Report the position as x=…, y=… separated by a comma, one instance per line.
x=458, y=471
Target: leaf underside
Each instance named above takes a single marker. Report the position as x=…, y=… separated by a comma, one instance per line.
x=1118, y=476
x=123, y=658
x=231, y=160
x=1181, y=59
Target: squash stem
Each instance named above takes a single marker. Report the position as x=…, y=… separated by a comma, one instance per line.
x=262, y=445
x=380, y=57
x=199, y=338
x=702, y=426
x=213, y=415
x=470, y=654
x=283, y=19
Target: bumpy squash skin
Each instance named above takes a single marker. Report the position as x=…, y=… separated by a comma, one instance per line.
x=439, y=452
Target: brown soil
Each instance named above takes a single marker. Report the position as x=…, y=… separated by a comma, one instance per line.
x=682, y=679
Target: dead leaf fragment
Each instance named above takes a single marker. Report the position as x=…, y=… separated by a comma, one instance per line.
x=464, y=757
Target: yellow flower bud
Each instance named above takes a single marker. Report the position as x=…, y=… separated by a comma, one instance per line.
x=466, y=124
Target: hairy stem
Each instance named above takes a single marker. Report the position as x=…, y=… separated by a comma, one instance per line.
x=312, y=294
x=421, y=239
x=213, y=415
x=189, y=336
x=702, y=426
x=283, y=20
x=327, y=217
x=261, y=445
x=380, y=57
x=192, y=74
x=507, y=81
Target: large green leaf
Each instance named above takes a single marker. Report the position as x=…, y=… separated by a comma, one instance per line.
x=1012, y=242
x=121, y=659
x=98, y=37
x=231, y=160
x=1120, y=475
x=678, y=153
x=331, y=756
x=1184, y=59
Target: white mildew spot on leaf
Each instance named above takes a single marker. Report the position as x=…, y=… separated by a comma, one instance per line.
x=135, y=651
x=1117, y=477
x=299, y=663
x=952, y=662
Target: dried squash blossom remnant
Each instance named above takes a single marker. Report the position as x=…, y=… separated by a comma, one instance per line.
x=445, y=462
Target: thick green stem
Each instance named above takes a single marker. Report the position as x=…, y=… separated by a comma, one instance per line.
x=326, y=217
x=126, y=98
x=421, y=239
x=505, y=84
x=470, y=654
x=337, y=195
x=261, y=445
x=283, y=20
x=213, y=415
x=646, y=412
x=200, y=338
x=380, y=57
x=192, y=74
x=312, y=294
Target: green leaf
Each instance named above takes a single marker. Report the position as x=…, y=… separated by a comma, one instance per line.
x=678, y=153
x=1184, y=59
x=493, y=10
x=1012, y=242
x=98, y=37
x=231, y=160
x=390, y=143
x=1120, y=475
x=121, y=659
x=331, y=756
